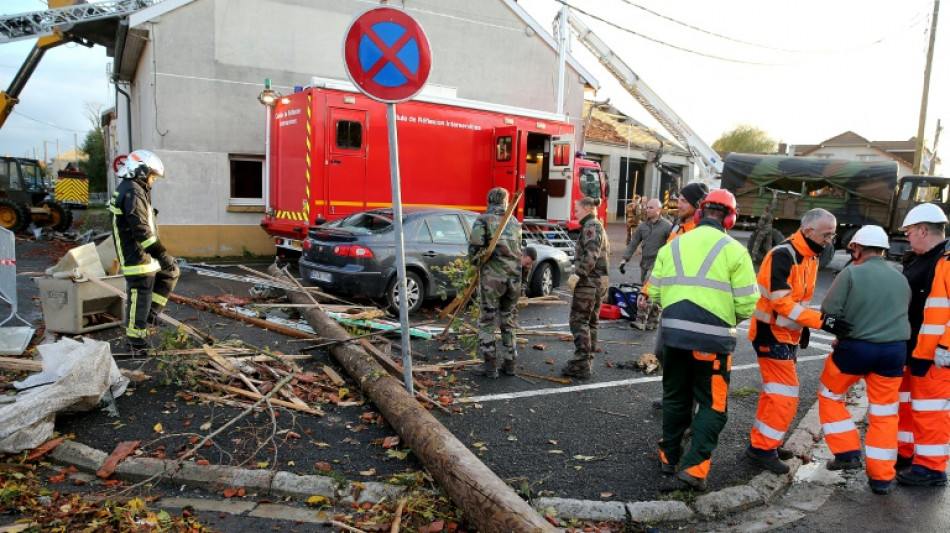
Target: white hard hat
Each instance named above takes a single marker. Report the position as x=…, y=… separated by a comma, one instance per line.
x=924, y=213
x=140, y=164
x=872, y=236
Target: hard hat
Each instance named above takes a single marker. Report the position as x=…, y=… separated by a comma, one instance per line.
x=721, y=199
x=141, y=164
x=872, y=236
x=924, y=213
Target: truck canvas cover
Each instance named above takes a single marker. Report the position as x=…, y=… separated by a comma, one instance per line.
x=857, y=192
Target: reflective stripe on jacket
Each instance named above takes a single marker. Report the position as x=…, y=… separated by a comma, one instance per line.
x=133, y=227
x=706, y=284
x=786, y=283
x=934, y=331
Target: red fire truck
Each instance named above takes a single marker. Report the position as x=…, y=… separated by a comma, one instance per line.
x=329, y=157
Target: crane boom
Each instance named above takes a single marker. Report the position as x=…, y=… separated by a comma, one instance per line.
x=710, y=163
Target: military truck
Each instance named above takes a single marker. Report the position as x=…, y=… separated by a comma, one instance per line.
x=25, y=197
x=856, y=192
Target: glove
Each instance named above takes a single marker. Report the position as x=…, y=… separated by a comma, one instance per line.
x=805, y=338
x=942, y=357
x=572, y=281
x=166, y=261
x=623, y=267
x=836, y=325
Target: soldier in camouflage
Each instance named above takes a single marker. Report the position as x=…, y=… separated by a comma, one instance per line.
x=589, y=283
x=762, y=241
x=632, y=213
x=528, y=256
x=499, y=283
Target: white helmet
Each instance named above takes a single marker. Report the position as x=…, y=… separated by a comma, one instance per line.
x=871, y=236
x=924, y=213
x=140, y=164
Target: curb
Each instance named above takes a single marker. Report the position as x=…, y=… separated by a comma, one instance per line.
x=760, y=490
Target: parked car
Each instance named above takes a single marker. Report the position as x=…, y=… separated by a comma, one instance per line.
x=356, y=256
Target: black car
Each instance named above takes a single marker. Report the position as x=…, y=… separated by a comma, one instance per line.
x=356, y=255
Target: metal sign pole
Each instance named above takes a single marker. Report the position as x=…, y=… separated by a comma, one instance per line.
x=400, y=246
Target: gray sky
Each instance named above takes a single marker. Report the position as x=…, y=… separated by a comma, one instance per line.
x=812, y=71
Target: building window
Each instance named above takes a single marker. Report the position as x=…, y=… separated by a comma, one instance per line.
x=867, y=157
x=349, y=135
x=824, y=156
x=247, y=180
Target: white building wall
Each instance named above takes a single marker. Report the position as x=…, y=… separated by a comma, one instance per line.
x=862, y=153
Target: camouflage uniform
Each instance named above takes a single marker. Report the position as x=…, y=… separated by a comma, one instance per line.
x=632, y=215
x=499, y=284
x=762, y=242
x=591, y=253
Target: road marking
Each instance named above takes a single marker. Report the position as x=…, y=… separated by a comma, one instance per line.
x=601, y=385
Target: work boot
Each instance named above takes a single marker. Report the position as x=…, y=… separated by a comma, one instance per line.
x=138, y=349
x=691, y=480
x=921, y=476
x=784, y=453
x=767, y=460
x=508, y=366
x=903, y=463
x=487, y=370
x=657, y=404
x=852, y=463
x=882, y=488
x=577, y=368
x=666, y=468
x=638, y=325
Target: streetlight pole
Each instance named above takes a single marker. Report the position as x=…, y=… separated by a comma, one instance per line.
x=268, y=98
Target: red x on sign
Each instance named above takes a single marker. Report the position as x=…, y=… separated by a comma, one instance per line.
x=387, y=54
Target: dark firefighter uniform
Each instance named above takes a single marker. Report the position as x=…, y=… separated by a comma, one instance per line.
x=150, y=272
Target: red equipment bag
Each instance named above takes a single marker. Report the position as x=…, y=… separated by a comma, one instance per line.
x=609, y=312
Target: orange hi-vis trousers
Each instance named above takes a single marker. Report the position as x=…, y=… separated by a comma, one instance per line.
x=925, y=418
x=881, y=367
x=778, y=400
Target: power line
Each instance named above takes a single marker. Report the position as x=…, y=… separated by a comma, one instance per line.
x=48, y=123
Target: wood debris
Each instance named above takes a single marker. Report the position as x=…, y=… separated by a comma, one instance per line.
x=647, y=364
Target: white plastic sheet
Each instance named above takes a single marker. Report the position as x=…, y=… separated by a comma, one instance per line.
x=79, y=376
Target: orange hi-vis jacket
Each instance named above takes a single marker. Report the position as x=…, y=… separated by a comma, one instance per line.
x=786, y=284
x=681, y=228
x=934, y=331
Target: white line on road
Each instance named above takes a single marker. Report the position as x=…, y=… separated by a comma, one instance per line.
x=601, y=385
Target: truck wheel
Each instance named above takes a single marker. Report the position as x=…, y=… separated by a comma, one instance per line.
x=542, y=281
x=777, y=237
x=826, y=257
x=416, y=291
x=60, y=218
x=11, y=216
x=846, y=237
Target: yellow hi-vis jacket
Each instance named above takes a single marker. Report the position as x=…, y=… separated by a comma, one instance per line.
x=706, y=284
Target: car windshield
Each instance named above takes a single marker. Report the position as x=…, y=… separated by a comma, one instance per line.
x=365, y=223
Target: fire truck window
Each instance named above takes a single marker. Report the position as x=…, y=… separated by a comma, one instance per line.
x=590, y=183
x=247, y=180
x=503, y=149
x=446, y=229
x=349, y=135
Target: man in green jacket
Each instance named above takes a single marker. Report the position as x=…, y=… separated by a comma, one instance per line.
x=706, y=284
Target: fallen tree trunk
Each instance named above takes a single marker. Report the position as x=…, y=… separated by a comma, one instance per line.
x=204, y=306
x=491, y=504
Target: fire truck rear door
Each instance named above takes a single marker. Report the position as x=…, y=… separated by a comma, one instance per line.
x=560, y=176
x=346, y=161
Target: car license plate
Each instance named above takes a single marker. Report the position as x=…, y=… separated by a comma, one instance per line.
x=325, y=277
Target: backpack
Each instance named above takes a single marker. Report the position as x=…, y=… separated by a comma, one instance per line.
x=624, y=297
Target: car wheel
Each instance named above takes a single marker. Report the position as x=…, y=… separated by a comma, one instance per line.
x=416, y=291
x=542, y=282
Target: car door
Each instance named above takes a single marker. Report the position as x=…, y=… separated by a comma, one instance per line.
x=441, y=239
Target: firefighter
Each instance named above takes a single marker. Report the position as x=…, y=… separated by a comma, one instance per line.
x=787, y=281
x=706, y=284
x=499, y=283
x=874, y=350
x=150, y=271
x=924, y=424
x=589, y=284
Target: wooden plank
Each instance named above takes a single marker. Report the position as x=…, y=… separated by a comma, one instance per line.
x=44, y=449
x=217, y=358
x=391, y=365
x=20, y=365
x=549, y=378
x=253, y=396
x=334, y=377
x=197, y=304
x=118, y=454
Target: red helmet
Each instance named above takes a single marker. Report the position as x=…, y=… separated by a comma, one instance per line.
x=720, y=197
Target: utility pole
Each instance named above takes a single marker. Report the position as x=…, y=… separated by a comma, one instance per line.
x=561, y=57
x=933, y=154
x=919, y=149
